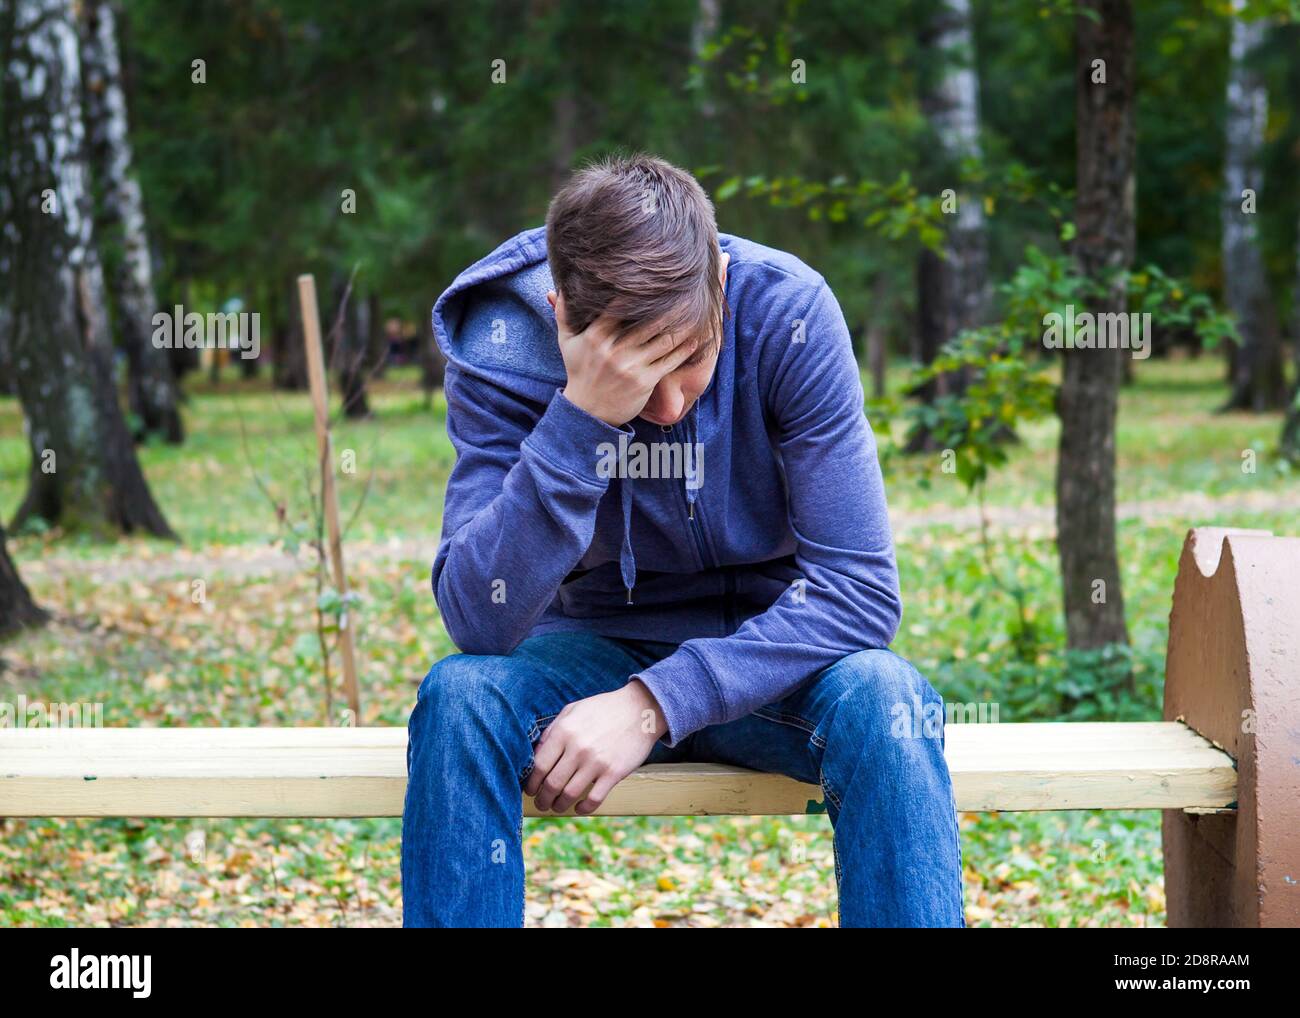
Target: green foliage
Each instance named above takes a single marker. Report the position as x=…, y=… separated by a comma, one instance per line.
x=243, y=175
x=1004, y=389
x=1113, y=684
x=999, y=382
x=1172, y=305
x=896, y=210
x=1007, y=383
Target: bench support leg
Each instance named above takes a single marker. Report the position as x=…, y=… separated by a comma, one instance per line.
x=1233, y=675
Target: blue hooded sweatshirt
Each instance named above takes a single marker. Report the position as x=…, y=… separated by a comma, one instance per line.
x=768, y=561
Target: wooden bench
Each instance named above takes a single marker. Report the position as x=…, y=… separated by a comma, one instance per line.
x=1224, y=765
x=361, y=772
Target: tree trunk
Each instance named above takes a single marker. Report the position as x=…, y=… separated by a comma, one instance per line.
x=566, y=87
x=215, y=360
x=84, y=470
x=952, y=287
x=1256, y=365
x=17, y=609
x=121, y=220
x=953, y=110
x=289, y=357
x=182, y=361
x=352, y=353
x=564, y=136
x=248, y=365
x=708, y=15
x=1089, y=394
x=8, y=384
x=877, y=355
x=377, y=341
x=1291, y=427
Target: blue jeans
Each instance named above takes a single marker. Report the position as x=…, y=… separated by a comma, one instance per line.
x=856, y=730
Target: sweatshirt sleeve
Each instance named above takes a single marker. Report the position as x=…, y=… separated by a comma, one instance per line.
x=847, y=598
x=520, y=510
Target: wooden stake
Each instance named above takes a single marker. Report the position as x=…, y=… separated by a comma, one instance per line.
x=329, y=496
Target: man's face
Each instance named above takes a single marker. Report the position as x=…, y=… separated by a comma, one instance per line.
x=677, y=391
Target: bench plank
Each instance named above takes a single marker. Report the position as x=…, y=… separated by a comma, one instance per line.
x=361, y=772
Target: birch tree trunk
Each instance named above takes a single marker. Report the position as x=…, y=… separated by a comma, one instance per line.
x=708, y=16
x=953, y=109
x=952, y=287
x=84, y=471
x=120, y=220
x=1089, y=394
x=1256, y=365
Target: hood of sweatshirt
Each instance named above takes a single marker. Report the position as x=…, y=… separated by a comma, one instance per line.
x=494, y=322
x=506, y=334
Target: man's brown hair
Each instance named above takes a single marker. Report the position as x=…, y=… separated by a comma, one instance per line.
x=635, y=237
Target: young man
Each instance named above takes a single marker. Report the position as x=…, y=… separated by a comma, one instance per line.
x=665, y=539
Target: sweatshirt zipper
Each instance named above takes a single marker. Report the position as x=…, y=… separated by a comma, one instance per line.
x=696, y=525
x=693, y=522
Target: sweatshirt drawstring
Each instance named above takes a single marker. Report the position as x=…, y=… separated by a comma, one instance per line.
x=626, y=557
x=692, y=465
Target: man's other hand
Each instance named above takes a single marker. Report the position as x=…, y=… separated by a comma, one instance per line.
x=591, y=746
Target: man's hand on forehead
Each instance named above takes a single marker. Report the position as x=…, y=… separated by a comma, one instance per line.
x=611, y=370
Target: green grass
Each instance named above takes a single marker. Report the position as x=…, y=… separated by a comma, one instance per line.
x=241, y=433
x=1172, y=443
x=245, y=656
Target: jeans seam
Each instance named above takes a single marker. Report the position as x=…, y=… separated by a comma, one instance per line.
x=794, y=721
x=523, y=898
x=533, y=733
x=830, y=795
x=956, y=837
x=839, y=875
x=791, y=720
x=828, y=791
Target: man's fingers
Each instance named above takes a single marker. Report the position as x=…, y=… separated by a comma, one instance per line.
x=604, y=330
x=575, y=788
x=662, y=345
x=535, y=777
x=545, y=755
x=598, y=794
x=555, y=782
x=675, y=357
x=645, y=332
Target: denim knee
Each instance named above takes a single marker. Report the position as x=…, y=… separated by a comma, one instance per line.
x=881, y=696
x=463, y=699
